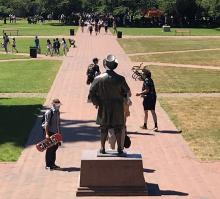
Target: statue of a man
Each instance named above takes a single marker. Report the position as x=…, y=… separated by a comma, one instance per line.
x=107, y=92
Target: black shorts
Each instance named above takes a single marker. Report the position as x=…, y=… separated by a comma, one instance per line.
x=149, y=102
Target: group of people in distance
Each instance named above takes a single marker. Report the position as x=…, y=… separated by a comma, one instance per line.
x=94, y=25
x=53, y=47
x=6, y=42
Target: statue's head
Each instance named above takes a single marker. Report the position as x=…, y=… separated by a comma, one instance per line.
x=110, y=62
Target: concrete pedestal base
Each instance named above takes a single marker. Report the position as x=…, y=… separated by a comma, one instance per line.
x=111, y=176
x=166, y=28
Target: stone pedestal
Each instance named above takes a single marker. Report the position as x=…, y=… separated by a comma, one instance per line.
x=166, y=28
x=111, y=175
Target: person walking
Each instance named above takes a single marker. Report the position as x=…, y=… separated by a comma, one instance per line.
x=49, y=48
x=58, y=46
x=64, y=46
x=90, y=29
x=96, y=28
x=149, y=95
x=6, y=41
x=51, y=126
x=106, y=26
x=14, y=45
x=93, y=71
x=54, y=50
x=37, y=44
x=82, y=24
x=114, y=26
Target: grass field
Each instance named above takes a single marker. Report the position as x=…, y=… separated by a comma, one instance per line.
x=185, y=80
x=208, y=58
x=24, y=44
x=199, y=119
x=12, y=56
x=25, y=29
x=18, y=117
x=159, y=32
x=27, y=76
x=167, y=44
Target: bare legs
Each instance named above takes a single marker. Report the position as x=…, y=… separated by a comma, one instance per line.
x=154, y=118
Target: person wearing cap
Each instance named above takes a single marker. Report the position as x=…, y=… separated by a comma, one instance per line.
x=149, y=95
x=107, y=92
x=93, y=70
x=52, y=126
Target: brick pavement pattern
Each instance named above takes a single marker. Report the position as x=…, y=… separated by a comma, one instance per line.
x=170, y=168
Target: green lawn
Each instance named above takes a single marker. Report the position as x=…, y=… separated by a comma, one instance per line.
x=209, y=58
x=12, y=56
x=27, y=76
x=199, y=119
x=23, y=45
x=159, y=32
x=185, y=80
x=52, y=28
x=18, y=117
x=167, y=44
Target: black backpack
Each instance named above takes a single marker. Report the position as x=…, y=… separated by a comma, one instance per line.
x=43, y=118
x=90, y=74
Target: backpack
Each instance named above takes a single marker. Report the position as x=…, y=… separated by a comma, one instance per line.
x=43, y=118
x=90, y=73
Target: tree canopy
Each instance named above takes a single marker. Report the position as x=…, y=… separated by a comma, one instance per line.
x=180, y=10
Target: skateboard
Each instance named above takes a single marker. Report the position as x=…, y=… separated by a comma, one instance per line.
x=47, y=143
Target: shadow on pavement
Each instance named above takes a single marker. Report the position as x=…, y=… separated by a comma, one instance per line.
x=170, y=131
x=69, y=169
x=148, y=170
x=154, y=190
x=137, y=133
x=72, y=131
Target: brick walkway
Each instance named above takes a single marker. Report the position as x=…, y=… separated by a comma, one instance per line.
x=169, y=166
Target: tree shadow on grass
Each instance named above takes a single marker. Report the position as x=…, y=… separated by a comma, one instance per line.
x=154, y=190
x=16, y=121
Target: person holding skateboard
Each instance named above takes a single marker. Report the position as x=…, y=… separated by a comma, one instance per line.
x=51, y=126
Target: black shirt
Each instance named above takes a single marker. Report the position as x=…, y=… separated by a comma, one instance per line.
x=149, y=84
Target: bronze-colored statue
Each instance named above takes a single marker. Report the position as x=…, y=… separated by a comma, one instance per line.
x=107, y=92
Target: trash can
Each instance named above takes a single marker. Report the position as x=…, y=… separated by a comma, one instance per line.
x=71, y=31
x=119, y=34
x=33, y=52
